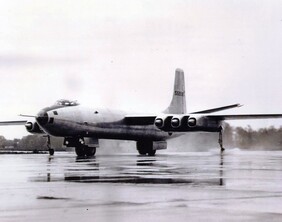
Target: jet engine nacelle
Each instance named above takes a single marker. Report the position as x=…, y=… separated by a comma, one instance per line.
x=194, y=121
x=159, y=122
x=33, y=127
x=177, y=121
x=162, y=121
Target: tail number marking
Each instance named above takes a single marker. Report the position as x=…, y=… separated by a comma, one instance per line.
x=179, y=93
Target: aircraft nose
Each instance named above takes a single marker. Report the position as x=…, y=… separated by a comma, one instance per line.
x=42, y=117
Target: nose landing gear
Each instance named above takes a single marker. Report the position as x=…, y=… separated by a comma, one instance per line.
x=50, y=149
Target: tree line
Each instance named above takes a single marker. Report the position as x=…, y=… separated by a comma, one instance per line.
x=247, y=138
x=30, y=143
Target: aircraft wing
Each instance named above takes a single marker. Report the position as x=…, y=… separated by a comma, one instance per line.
x=150, y=119
x=244, y=116
x=14, y=123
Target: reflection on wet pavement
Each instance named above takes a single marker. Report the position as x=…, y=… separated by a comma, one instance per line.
x=160, y=169
x=231, y=186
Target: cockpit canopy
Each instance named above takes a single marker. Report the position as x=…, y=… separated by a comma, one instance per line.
x=66, y=102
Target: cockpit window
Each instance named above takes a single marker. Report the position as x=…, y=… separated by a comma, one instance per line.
x=65, y=102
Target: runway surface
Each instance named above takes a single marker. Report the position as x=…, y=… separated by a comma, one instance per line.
x=195, y=186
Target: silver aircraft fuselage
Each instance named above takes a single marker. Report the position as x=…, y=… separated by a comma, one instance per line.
x=73, y=121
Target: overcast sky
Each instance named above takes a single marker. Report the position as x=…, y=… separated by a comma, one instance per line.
x=123, y=54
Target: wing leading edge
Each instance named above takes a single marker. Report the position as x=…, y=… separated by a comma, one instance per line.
x=13, y=123
x=244, y=116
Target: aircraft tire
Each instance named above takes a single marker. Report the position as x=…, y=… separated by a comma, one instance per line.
x=152, y=153
x=90, y=151
x=51, y=152
x=79, y=150
x=142, y=152
x=85, y=150
x=145, y=147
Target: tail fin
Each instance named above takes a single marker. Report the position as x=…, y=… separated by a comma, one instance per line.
x=178, y=102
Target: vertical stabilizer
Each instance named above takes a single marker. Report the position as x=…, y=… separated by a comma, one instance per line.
x=178, y=102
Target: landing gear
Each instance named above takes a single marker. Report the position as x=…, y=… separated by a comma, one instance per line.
x=90, y=151
x=145, y=147
x=220, y=140
x=50, y=149
x=152, y=153
x=84, y=150
x=142, y=152
x=81, y=149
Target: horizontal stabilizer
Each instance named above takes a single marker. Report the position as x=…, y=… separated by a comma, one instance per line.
x=218, y=109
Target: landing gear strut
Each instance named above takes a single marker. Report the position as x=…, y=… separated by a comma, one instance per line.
x=220, y=140
x=50, y=149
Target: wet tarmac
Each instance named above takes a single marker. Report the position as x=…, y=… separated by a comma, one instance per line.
x=195, y=186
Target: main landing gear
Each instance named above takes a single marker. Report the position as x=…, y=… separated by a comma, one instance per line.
x=145, y=147
x=81, y=149
x=84, y=150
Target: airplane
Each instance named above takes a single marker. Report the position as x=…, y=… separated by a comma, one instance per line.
x=82, y=127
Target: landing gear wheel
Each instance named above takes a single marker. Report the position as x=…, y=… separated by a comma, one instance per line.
x=83, y=150
x=152, y=153
x=90, y=151
x=145, y=147
x=51, y=151
x=142, y=152
x=79, y=151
